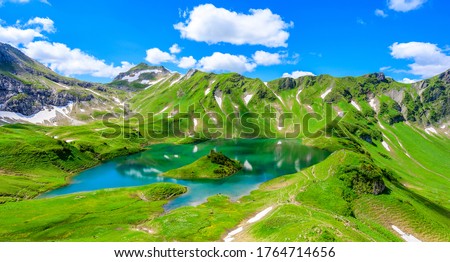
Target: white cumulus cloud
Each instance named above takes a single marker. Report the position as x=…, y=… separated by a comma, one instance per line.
x=207, y=23
x=156, y=56
x=381, y=13
x=297, y=74
x=69, y=62
x=18, y=36
x=22, y=1
x=405, y=5
x=409, y=81
x=44, y=24
x=220, y=62
x=187, y=62
x=266, y=59
x=22, y=34
x=175, y=49
x=429, y=59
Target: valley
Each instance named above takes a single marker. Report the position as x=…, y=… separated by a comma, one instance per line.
x=363, y=154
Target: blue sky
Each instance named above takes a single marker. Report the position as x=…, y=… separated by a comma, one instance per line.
x=94, y=40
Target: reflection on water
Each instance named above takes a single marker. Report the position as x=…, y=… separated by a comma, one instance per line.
x=263, y=159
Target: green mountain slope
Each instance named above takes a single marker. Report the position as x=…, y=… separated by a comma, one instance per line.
x=389, y=142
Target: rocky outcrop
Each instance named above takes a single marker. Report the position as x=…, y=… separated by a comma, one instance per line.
x=15, y=96
x=21, y=89
x=396, y=95
x=68, y=81
x=380, y=77
x=378, y=187
x=287, y=83
x=445, y=77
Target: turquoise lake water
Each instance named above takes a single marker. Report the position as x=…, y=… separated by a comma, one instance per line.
x=263, y=160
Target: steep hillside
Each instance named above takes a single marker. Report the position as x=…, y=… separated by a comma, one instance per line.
x=387, y=170
x=31, y=92
x=373, y=97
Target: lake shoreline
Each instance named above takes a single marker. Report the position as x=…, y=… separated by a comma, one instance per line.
x=269, y=158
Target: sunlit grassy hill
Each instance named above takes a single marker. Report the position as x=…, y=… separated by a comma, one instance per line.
x=388, y=167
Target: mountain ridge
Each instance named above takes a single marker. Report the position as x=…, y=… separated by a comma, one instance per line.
x=386, y=167
x=31, y=92
x=28, y=87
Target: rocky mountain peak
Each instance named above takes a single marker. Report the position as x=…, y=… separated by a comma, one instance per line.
x=143, y=72
x=13, y=60
x=445, y=77
x=140, y=76
x=379, y=76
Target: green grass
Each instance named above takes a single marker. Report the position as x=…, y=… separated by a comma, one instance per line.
x=312, y=205
x=213, y=166
x=105, y=215
x=330, y=201
x=416, y=216
x=329, y=195
x=36, y=159
x=423, y=171
x=298, y=223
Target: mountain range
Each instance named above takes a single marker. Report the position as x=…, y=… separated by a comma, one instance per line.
x=28, y=88
x=387, y=165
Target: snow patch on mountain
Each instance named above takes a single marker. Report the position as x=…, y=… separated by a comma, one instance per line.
x=247, y=98
x=386, y=146
x=152, y=83
x=430, y=130
x=297, y=95
x=135, y=76
x=326, y=93
x=47, y=115
x=218, y=97
x=373, y=104
x=177, y=80
x=406, y=237
x=354, y=104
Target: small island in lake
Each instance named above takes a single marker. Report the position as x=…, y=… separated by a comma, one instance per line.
x=213, y=166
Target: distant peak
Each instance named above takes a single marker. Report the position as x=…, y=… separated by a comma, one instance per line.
x=192, y=71
x=15, y=61
x=445, y=76
x=144, y=66
x=143, y=74
x=379, y=76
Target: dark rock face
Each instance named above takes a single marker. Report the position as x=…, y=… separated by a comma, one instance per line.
x=13, y=60
x=380, y=76
x=18, y=97
x=445, y=77
x=287, y=83
x=378, y=187
x=69, y=82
